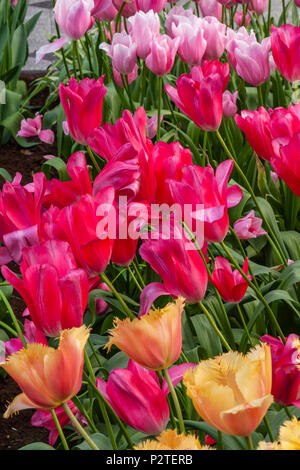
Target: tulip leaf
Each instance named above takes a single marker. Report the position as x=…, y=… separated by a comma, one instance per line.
x=277, y=418
x=207, y=337
x=100, y=440
x=119, y=360
x=4, y=173
x=37, y=446
x=59, y=165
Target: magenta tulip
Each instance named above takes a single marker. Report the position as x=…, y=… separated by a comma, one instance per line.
x=231, y=284
x=285, y=44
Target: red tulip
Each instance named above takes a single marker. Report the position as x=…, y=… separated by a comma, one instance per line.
x=286, y=163
x=285, y=44
x=54, y=289
x=231, y=285
x=199, y=96
x=285, y=369
x=82, y=103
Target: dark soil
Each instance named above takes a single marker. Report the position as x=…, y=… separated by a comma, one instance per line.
x=17, y=431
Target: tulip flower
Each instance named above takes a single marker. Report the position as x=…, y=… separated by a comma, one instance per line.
x=285, y=44
x=285, y=369
x=182, y=269
x=288, y=439
x=211, y=8
x=231, y=285
x=170, y=440
x=160, y=59
x=297, y=3
x=130, y=77
x=206, y=197
x=43, y=418
x=129, y=9
x=122, y=51
x=229, y=103
x=108, y=139
x=215, y=37
x=178, y=15
x=248, y=57
x=48, y=377
x=192, y=44
x=154, y=340
x=241, y=19
x=249, y=227
x=20, y=213
x=259, y=6
x=232, y=392
x=144, y=28
x=33, y=127
x=152, y=125
x=74, y=17
x=147, y=5
x=104, y=10
x=53, y=288
x=31, y=335
x=82, y=103
x=199, y=96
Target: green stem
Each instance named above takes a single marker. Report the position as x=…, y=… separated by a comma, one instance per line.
x=270, y=432
x=244, y=254
x=117, y=295
x=88, y=44
x=60, y=431
x=175, y=400
x=9, y=329
x=249, y=442
x=244, y=323
x=213, y=324
x=288, y=413
x=257, y=291
x=75, y=43
x=220, y=441
x=79, y=428
x=93, y=158
x=14, y=319
x=283, y=12
x=250, y=190
x=159, y=106
x=134, y=278
x=137, y=270
x=260, y=96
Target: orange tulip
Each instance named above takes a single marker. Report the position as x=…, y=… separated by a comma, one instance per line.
x=232, y=392
x=154, y=341
x=170, y=440
x=48, y=377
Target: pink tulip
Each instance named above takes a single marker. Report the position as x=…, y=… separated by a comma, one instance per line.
x=130, y=77
x=20, y=212
x=14, y=3
x=100, y=305
x=182, y=269
x=108, y=139
x=104, y=10
x=249, y=227
x=297, y=3
x=122, y=52
x=192, y=44
x=249, y=58
x=53, y=288
x=43, y=418
x=161, y=58
x=240, y=19
x=259, y=6
x=146, y=5
x=285, y=369
x=208, y=197
x=33, y=127
x=74, y=17
x=137, y=396
x=285, y=44
x=82, y=103
x=31, y=335
x=176, y=16
x=199, y=96
x=129, y=9
x=215, y=36
x=145, y=27
x=152, y=125
x=231, y=285
x=229, y=103
x=211, y=8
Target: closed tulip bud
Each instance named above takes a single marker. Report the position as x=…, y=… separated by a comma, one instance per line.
x=154, y=340
x=82, y=103
x=259, y=6
x=161, y=58
x=229, y=103
x=53, y=288
x=74, y=17
x=122, y=51
x=144, y=28
x=232, y=392
x=231, y=285
x=48, y=377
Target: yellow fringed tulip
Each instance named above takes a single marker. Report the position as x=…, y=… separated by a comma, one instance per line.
x=170, y=440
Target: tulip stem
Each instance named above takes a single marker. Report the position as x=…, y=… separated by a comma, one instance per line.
x=93, y=158
x=60, y=431
x=249, y=442
x=283, y=12
x=8, y=328
x=256, y=290
x=288, y=413
x=159, y=107
x=137, y=270
x=244, y=254
x=14, y=319
x=266, y=421
x=213, y=324
x=134, y=278
x=76, y=51
x=244, y=324
x=121, y=425
x=117, y=295
x=175, y=400
x=79, y=428
x=250, y=190
x=260, y=96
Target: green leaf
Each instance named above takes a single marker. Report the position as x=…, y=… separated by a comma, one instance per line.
x=4, y=173
x=100, y=440
x=119, y=360
x=59, y=165
x=37, y=446
x=31, y=23
x=208, y=340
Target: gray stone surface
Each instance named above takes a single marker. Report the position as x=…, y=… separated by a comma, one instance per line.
x=46, y=27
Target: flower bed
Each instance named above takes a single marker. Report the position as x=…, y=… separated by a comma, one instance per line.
x=155, y=241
